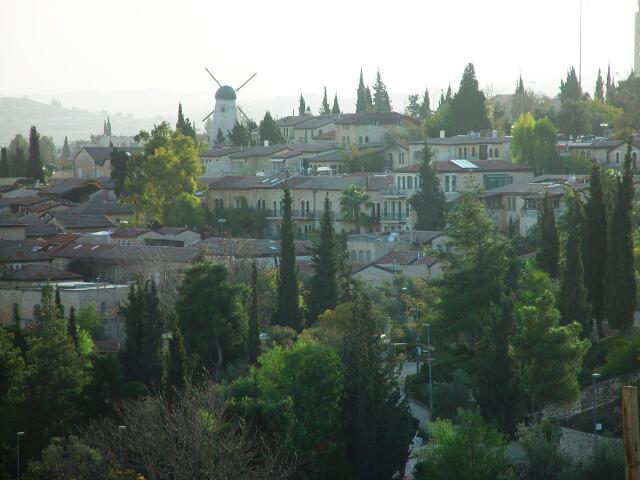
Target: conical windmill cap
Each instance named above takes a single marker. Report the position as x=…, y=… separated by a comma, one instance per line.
x=225, y=92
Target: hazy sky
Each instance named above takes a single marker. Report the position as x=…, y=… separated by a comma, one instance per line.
x=51, y=47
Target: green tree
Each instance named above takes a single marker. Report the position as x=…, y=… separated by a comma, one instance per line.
x=324, y=107
x=5, y=169
x=570, y=88
x=499, y=391
x=376, y=418
x=625, y=95
x=574, y=306
x=184, y=126
x=177, y=378
x=323, y=293
x=72, y=327
x=239, y=136
x=220, y=137
x=253, y=335
x=163, y=174
x=352, y=202
x=534, y=144
x=541, y=444
x=296, y=395
x=269, y=131
x=620, y=279
x=425, y=106
x=413, y=106
x=610, y=87
x=89, y=321
x=468, y=107
x=55, y=376
x=66, y=152
x=381, y=102
x=364, y=103
x=47, y=151
x=34, y=165
x=549, y=355
x=119, y=170
x=144, y=327
x=302, y=106
x=595, y=247
x=598, y=93
x=336, y=107
x=212, y=317
x=574, y=117
x=17, y=156
x=548, y=257
x=288, y=313
x=466, y=449
x=429, y=202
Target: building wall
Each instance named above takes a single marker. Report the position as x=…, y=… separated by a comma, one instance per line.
x=348, y=134
x=461, y=151
x=84, y=165
x=224, y=117
x=307, y=135
x=13, y=232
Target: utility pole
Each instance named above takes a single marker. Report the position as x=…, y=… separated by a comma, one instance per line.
x=630, y=433
x=429, y=360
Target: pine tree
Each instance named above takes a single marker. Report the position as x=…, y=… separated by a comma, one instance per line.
x=595, y=246
x=239, y=136
x=5, y=169
x=336, y=108
x=287, y=312
x=574, y=306
x=368, y=99
x=177, y=369
x=184, y=126
x=72, y=327
x=269, y=130
x=363, y=102
x=325, y=108
x=620, y=280
x=598, y=94
x=381, y=102
x=570, y=88
x=425, y=107
x=253, y=335
x=34, y=166
x=468, y=106
x=220, y=138
x=66, y=152
x=429, y=202
x=302, y=106
x=549, y=254
x=520, y=86
x=324, y=288
x=180, y=123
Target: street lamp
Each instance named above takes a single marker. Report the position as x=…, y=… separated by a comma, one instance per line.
x=429, y=361
x=18, y=435
x=595, y=376
x=121, y=429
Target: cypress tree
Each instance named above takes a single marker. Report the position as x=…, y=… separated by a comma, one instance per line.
x=269, y=130
x=151, y=351
x=72, y=326
x=368, y=99
x=253, y=335
x=595, y=247
x=363, y=102
x=598, y=93
x=239, y=135
x=184, y=125
x=429, y=203
x=59, y=303
x=336, y=108
x=180, y=122
x=34, y=166
x=66, y=152
x=620, y=280
x=302, y=106
x=574, y=306
x=177, y=368
x=570, y=88
x=220, y=138
x=549, y=254
x=325, y=108
x=425, y=107
x=610, y=87
x=324, y=288
x=381, y=102
x=287, y=312
x=5, y=169
x=520, y=86
x=108, y=127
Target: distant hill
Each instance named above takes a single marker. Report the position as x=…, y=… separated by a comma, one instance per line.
x=17, y=115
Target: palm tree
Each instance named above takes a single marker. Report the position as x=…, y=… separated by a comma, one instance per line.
x=353, y=200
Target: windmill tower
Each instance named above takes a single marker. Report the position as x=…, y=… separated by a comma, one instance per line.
x=225, y=112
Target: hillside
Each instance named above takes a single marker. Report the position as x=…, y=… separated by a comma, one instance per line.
x=18, y=114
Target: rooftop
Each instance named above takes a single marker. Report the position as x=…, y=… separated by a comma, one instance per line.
x=455, y=166
x=370, y=118
x=82, y=220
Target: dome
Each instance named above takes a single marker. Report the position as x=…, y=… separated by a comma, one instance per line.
x=225, y=93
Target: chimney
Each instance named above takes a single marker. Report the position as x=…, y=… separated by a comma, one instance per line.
x=266, y=143
x=441, y=133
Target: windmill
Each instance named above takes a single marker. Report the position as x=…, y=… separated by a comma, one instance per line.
x=225, y=112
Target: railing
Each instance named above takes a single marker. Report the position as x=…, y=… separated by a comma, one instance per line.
x=393, y=216
x=396, y=192
x=299, y=213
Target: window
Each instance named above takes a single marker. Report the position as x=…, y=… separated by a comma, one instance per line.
x=491, y=153
x=473, y=151
x=366, y=139
x=398, y=181
x=404, y=183
x=530, y=204
x=307, y=205
x=360, y=256
x=450, y=183
x=483, y=152
x=465, y=152
x=460, y=152
x=401, y=158
x=410, y=183
x=319, y=132
x=368, y=254
x=359, y=139
x=497, y=180
x=275, y=208
x=495, y=153
x=223, y=109
x=617, y=158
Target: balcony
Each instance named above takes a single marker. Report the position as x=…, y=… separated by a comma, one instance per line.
x=393, y=217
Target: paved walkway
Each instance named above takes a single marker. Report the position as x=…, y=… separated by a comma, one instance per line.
x=418, y=410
